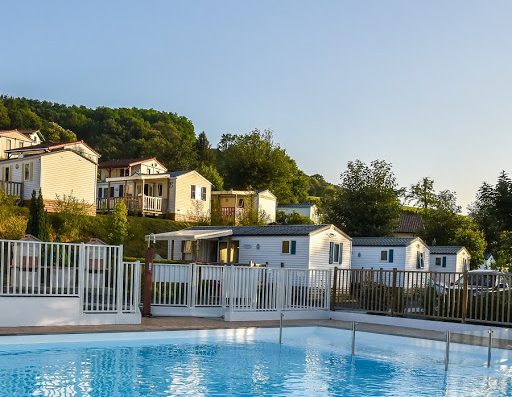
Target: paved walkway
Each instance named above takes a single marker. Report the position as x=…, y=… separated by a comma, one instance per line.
x=185, y=323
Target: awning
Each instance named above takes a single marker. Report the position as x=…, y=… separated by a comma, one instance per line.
x=189, y=235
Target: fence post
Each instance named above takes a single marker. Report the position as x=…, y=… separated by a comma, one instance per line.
x=148, y=282
x=120, y=280
x=393, y=293
x=465, y=296
x=193, y=286
x=334, y=287
x=81, y=274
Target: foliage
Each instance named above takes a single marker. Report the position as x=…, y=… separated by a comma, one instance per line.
x=55, y=133
x=119, y=224
x=12, y=223
x=492, y=211
x=210, y=172
x=38, y=224
x=68, y=218
x=255, y=161
x=292, y=219
x=368, y=200
x=205, y=153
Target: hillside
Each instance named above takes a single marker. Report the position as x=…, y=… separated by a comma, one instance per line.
x=133, y=133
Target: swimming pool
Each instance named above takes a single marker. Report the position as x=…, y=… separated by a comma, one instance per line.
x=313, y=361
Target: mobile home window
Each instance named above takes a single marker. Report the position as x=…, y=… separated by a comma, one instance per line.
x=193, y=192
x=289, y=247
x=438, y=261
x=384, y=256
x=160, y=190
x=335, y=253
x=203, y=193
x=27, y=171
x=100, y=191
x=420, y=260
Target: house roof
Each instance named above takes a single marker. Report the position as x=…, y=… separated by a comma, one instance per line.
x=446, y=249
x=21, y=134
x=49, y=147
x=174, y=174
x=296, y=205
x=383, y=241
x=409, y=223
x=122, y=163
x=272, y=230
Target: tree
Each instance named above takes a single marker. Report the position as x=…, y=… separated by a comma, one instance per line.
x=5, y=121
x=38, y=224
x=54, y=133
x=119, y=227
x=205, y=154
x=68, y=220
x=12, y=223
x=211, y=173
x=422, y=194
x=368, y=200
x=255, y=161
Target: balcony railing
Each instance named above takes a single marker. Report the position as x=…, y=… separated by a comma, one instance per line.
x=12, y=188
x=144, y=204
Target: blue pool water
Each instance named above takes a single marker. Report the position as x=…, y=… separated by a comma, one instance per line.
x=312, y=361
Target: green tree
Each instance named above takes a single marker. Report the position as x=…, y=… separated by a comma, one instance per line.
x=205, y=153
x=5, y=121
x=38, y=224
x=54, y=133
x=368, y=200
x=211, y=173
x=422, y=194
x=119, y=227
x=255, y=161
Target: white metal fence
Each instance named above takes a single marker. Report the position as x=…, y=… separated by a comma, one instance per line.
x=240, y=288
x=94, y=273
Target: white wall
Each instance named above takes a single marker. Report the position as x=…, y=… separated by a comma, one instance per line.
x=267, y=204
x=369, y=257
x=411, y=256
x=319, y=250
x=268, y=249
x=451, y=263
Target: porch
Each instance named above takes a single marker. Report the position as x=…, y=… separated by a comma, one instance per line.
x=12, y=188
x=147, y=205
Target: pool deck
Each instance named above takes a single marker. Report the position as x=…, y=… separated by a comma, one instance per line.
x=194, y=323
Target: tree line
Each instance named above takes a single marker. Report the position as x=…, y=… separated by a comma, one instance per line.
x=240, y=161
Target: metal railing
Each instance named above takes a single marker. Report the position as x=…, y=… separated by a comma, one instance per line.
x=94, y=273
x=479, y=297
x=240, y=288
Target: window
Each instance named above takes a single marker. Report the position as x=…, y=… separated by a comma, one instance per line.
x=160, y=190
x=203, y=193
x=121, y=190
x=124, y=172
x=420, y=260
x=438, y=261
x=193, y=192
x=6, y=174
x=241, y=203
x=100, y=191
x=384, y=256
x=111, y=191
x=335, y=253
x=289, y=247
x=27, y=171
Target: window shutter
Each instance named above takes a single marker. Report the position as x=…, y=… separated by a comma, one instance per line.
x=23, y=172
x=31, y=171
x=418, y=265
x=331, y=252
x=341, y=253
x=293, y=247
x=444, y=261
x=390, y=256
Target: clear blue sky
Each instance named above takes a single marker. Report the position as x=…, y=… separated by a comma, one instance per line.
x=426, y=85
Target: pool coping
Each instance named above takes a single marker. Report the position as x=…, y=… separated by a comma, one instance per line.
x=199, y=323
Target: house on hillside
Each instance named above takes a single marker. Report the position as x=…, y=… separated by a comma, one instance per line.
x=452, y=258
x=409, y=225
x=58, y=170
x=146, y=186
x=488, y=262
x=275, y=246
x=308, y=210
x=232, y=206
x=13, y=139
x=402, y=253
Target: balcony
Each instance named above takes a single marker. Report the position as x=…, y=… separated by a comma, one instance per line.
x=146, y=205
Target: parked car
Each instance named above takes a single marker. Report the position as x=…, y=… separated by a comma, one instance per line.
x=479, y=282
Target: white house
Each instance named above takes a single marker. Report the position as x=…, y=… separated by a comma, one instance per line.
x=275, y=246
x=234, y=205
x=308, y=210
x=402, y=253
x=147, y=188
x=58, y=170
x=451, y=258
x=12, y=139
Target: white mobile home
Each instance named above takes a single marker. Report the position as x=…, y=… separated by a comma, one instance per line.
x=276, y=246
x=451, y=258
x=402, y=253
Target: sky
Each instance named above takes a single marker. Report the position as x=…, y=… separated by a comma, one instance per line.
x=425, y=85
